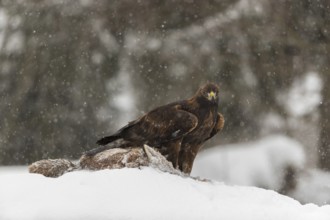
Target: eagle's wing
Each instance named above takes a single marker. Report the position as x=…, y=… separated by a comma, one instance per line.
x=220, y=121
x=162, y=124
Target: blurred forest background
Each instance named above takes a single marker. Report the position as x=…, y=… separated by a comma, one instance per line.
x=72, y=71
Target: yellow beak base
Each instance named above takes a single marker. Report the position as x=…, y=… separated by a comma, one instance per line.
x=211, y=95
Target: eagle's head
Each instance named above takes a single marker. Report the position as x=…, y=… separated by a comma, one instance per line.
x=209, y=92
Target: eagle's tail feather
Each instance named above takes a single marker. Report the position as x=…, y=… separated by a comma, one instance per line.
x=108, y=139
x=97, y=150
x=103, y=142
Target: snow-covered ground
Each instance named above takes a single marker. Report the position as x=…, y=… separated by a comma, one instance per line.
x=151, y=194
x=313, y=186
x=13, y=170
x=142, y=194
x=260, y=163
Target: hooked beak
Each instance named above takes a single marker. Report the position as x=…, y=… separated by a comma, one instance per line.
x=211, y=96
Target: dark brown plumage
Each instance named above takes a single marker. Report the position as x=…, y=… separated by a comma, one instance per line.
x=177, y=129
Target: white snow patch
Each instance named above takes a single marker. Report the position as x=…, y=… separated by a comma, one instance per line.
x=261, y=163
x=142, y=194
x=108, y=40
x=97, y=58
x=86, y=3
x=133, y=42
x=3, y=18
x=249, y=7
x=178, y=70
x=4, y=170
x=3, y=26
x=122, y=92
x=271, y=122
x=154, y=44
x=313, y=186
x=15, y=43
x=124, y=99
x=304, y=96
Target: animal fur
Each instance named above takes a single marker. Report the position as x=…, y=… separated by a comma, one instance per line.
x=114, y=158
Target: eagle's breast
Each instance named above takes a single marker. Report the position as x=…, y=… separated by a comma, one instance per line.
x=204, y=128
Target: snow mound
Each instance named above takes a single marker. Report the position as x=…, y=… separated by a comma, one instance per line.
x=261, y=163
x=132, y=193
x=313, y=186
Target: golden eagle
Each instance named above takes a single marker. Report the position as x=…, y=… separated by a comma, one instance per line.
x=177, y=129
